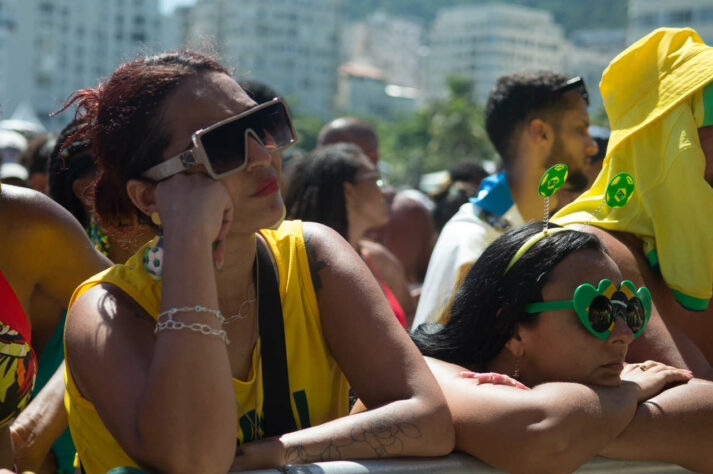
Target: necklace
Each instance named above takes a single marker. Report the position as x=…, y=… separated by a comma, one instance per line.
x=249, y=300
x=248, y=303
x=252, y=420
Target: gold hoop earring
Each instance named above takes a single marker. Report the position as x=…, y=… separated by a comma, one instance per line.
x=156, y=219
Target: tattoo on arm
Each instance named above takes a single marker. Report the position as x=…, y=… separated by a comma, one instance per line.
x=316, y=264
x=379, y=436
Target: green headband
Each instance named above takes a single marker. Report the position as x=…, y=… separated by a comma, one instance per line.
x=532, y=241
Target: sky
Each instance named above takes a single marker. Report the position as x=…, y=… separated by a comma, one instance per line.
x=168, y=5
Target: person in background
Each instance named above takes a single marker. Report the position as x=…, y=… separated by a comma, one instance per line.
x=532, y=362
x=226, y=343
x=72, y=176
x=464, y=178
x=36, y=159
x=409, y=232
x=44, y=256
x=338, y=186
x=534, y=120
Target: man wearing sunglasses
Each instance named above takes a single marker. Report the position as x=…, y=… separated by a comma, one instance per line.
x=534, y=120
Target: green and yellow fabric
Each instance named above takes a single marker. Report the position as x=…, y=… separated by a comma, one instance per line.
x=654, y=94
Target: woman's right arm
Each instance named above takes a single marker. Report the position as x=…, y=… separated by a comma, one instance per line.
x=555, y=427
x=166, y=398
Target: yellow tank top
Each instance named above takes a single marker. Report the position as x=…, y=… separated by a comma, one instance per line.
x=319, y=389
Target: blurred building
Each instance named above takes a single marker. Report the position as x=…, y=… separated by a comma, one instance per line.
x=588, y=53
x=394, y=45
x=363, y=90
x=53, y=47
x=292, y=46
x=647, y=15
x=486, y=41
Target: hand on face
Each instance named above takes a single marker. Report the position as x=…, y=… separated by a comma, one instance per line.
x=197, y=207
x=651, y=377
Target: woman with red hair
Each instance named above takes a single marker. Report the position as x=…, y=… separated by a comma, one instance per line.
x=231, y=323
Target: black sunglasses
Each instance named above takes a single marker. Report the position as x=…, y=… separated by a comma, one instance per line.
x=574, y=84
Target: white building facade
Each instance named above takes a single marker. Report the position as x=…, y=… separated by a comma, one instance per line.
x=647, y=15
x=394, y=45
x=290, y=45
x=486, y=41
x=58, y=46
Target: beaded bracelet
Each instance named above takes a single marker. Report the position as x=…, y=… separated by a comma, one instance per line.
x=197, y=327
x=197, y=308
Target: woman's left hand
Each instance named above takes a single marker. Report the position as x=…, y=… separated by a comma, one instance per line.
x=493, y=378
x=259, y=454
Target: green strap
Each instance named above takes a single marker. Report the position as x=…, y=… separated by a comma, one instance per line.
x=707, y=104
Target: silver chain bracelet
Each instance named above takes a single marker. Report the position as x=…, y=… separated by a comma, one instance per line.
x=197, y=327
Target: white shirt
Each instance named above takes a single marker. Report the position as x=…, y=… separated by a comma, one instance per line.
x=462, y=240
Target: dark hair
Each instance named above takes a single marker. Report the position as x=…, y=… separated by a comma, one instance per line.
x=316, y=190
x=123, y=123
x=347, y=130
x=517, y=98
x=36, y=156
x=258, y=91
x=70, y=159
x=490, y=303
x=465, y=177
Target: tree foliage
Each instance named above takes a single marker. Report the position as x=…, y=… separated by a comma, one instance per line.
x=437, y=135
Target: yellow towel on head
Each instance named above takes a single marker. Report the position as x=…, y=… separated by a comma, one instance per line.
x=652, y=95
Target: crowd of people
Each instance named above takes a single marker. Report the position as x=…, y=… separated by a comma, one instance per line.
x=178, y=303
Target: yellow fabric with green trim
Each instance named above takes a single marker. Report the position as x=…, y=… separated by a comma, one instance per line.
x=319, y=389
x=653, y=96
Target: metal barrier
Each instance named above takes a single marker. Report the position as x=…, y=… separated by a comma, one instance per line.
x=457, y=463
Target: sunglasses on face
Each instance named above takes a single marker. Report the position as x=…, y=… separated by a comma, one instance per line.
x=222, y=148
x=373, y=176
x=574, y=84
x=598, y=308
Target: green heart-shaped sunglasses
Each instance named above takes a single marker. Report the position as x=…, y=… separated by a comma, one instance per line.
x=598, y=308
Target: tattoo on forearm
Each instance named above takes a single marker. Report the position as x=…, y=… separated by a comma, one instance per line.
x=380, y=437
x=315, y=263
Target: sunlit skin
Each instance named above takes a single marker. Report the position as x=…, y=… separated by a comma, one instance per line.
x=557, y=347
x=210, y=232
x=542, y=143
x=366, y=207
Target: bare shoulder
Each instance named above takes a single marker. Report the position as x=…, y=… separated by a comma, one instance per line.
x=444, y=370
x=28, y=214
x=625, y=249
x=105, y=321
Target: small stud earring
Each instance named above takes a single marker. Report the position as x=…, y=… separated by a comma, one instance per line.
x=156, y=219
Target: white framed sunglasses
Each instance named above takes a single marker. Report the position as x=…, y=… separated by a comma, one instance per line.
x=222, y=148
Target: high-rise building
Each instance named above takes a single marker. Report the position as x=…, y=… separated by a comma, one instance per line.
x=53, y=47
x=588, y=53
x=291, y=45
x=486, y=41
x=394, y=45
x=647, y=15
